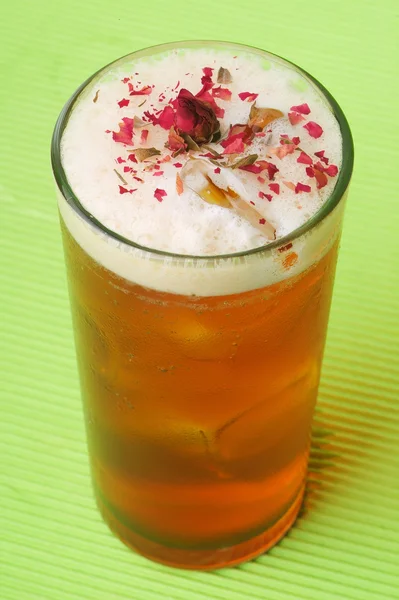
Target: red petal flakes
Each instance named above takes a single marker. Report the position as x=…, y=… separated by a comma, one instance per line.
x=262, y=221
x=125, y=79
x=222, y=93
x=125, y=133
x=157, y=173
x=123, y=190
x=144, y=136
x=217, y=170
x=282, y=151
x=295, y=118
x=314, y=130
x=268, y=197
x=127, y=169
x=304, y=159
x=175, y=142
x=177, y=165
x=120, y=160
x=235, y=147
x=260, y=166
x=301, y=187
x=303, y=109
x=310, y=171
x=159, y=194
x=274, y=188
x=124, y=102
x=207, y=71
x=248, y=96
x=261, y=179
x=323, y=158
x=321, y=179
x=145, y=90
x=332, y=170
x=132, y=157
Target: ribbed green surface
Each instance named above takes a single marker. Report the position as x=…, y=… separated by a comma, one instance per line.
x=54, y=545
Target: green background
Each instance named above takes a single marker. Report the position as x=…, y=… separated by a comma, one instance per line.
x=54, y=545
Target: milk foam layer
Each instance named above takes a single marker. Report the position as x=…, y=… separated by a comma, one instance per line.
x=185, y=224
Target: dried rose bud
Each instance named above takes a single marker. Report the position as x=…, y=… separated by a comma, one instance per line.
x=195, y=118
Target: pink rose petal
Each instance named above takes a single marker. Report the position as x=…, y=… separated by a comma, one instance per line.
x=124, y=102
x=159, y=194
x=323, y=158
x=301, y=187
x=314, y=130
x=274, y=188
x=248, y=96
x=303, y=109
x=222, y=93
x=295, y=118
x=304, y=159
x=125, y=133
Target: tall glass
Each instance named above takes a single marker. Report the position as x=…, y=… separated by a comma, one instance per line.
x=199, y=406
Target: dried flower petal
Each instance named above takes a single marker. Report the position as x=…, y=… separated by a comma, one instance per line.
x=179, y=184
x=260, y=117
x=261, y=179
x=301, y=187
x=144, y=91
x=207, y=71
x=321, y=179
x=175, y=142
x=224, y=76
x=262, y=195
x=195, y=117
x=222, y=93
x=275, y=187
x=144, y=136
x=323, y=158
x=125, y=133
x=157, y=173
x=124, y=102
x=132, y=157
x=289, y=185
x=217, y=170
x=285, y=248
x=310, y=171
x=304, y=159
x=303, y=109
x=120, y=160
x=159, y=194
x=290, y=260
x=144, y=153
x=248, y=96
x=332, y=170
x=123, y=190
x=314, y=130
x=282, y=151
x=177, y=165
x=235, y=147
x=295, y=118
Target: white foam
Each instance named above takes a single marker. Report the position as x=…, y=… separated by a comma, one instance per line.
x=185, y=224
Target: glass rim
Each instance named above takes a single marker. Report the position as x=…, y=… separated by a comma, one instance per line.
x=327, y=207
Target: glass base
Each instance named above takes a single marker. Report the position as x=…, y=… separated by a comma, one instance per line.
x=205, y=559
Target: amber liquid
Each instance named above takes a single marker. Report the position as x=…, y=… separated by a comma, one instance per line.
x=198, y=410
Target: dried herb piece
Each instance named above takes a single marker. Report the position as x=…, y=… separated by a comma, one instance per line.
x=96, y=96
x=137, y=122
x=123, y=180
x=143, y=153
x=260, y=117
x=245, y=162
x=224, y=76
x=191, y=144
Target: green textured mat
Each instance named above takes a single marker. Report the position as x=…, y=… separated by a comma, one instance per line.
x=54, y=545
